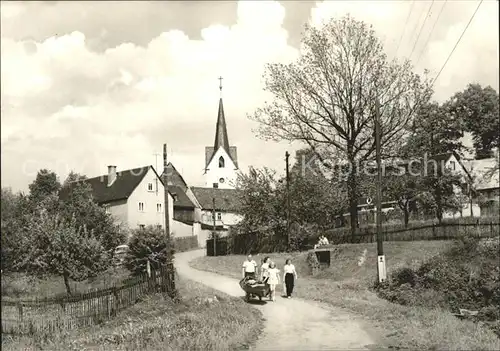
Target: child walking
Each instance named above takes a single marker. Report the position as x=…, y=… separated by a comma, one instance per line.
x=274, y=280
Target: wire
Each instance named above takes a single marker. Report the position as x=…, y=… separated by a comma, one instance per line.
x=430, y=33
x=416, y=25
x=421, y=27
x=406, y=23
x=458, y=41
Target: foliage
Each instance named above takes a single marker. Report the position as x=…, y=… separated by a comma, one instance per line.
x=45, y=184
x=478, y=109
x=151, y=244
x=466, y=276
x=58, y=247
x=327, y=97
x=73, y=177
x=257, y=196
x=79, y=204
x=312, y=262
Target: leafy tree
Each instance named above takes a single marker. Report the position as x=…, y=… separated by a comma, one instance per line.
x=326, y=98
x=258, y=200
x=434, y=131
x=438, y=191
x=45, y=184
x=58, y=247
x=151, y=244
x=478, y=108
x=73, y=177
x=78, y=204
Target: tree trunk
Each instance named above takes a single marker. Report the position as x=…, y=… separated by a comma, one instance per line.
x=353, y=198
x=407, y=215
x=66, y=283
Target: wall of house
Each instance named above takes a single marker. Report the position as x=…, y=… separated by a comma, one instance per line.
x=180, y=229
x=119, y=211
x=214, y=173
x=227, y=218
x=184, y=215
x=150, y=215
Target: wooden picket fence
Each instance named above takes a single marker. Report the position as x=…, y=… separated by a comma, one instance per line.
x=42, y=316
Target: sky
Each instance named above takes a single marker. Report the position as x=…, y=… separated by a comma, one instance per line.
x=85, y=85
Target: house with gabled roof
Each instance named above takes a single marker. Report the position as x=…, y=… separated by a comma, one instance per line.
x=134, y=197
x=225, y=203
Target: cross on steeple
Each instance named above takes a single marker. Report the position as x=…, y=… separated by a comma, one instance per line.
x=220, y=85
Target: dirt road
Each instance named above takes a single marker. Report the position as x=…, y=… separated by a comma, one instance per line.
x=291, y=324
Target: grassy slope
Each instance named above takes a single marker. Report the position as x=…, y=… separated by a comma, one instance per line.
x=346, y=284
x=159, y=324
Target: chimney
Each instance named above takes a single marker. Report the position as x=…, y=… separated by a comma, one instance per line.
x=111, y=175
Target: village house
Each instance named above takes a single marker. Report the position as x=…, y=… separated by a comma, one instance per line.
x=486, y=184
x=135, y=198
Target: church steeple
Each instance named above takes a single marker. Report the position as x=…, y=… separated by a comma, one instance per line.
x=221, y=138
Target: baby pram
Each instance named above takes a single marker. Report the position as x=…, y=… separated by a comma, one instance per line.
x=254, y=288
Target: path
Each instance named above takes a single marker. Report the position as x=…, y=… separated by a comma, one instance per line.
x=291, y=324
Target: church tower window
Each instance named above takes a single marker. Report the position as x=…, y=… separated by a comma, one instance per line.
x=221, y=162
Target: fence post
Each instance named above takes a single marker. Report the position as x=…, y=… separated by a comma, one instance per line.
x=20, y=309
x=491, y=229
x=115, y=301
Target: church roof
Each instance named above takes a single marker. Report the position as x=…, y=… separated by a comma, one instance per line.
x=221, y=139
x=225, y=199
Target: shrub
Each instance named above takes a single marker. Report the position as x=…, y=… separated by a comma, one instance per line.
x=151, y=244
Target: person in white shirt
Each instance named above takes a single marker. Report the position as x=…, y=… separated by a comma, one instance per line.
x=289, y=277
x=264, y=274
x=274, y=279
x=249, y=267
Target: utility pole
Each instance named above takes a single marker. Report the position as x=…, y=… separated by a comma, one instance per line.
x=169, y=258
x=213, y=233
x=382, y=274
x=287, y=155
x=156, y=169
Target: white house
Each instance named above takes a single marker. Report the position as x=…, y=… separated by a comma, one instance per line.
x=134, y=197
x=226, y=208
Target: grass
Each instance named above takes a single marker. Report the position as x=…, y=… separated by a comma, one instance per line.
x=346, y=284
x=157, y=323
x=20, y=285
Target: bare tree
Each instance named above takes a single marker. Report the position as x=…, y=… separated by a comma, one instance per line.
x=326, y=98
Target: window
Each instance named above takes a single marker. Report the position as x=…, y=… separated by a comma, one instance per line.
x=141, y=206
x=150, y=186
x=216, y=185
x=221, y=180
x=219, y=216
x=158, y=207
x=142, y=226
x=221, y=162
x=452, y=165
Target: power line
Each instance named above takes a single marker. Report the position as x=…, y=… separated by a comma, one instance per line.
x=430, y=33
x=404, y=29
x=416, y=24
x=458, y=41
x=421, y=27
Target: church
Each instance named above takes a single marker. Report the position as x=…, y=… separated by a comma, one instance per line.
x=219, y=191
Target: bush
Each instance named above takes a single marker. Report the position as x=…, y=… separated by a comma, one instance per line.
x=151, y=244
x=186, y=243
x=466, y=276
